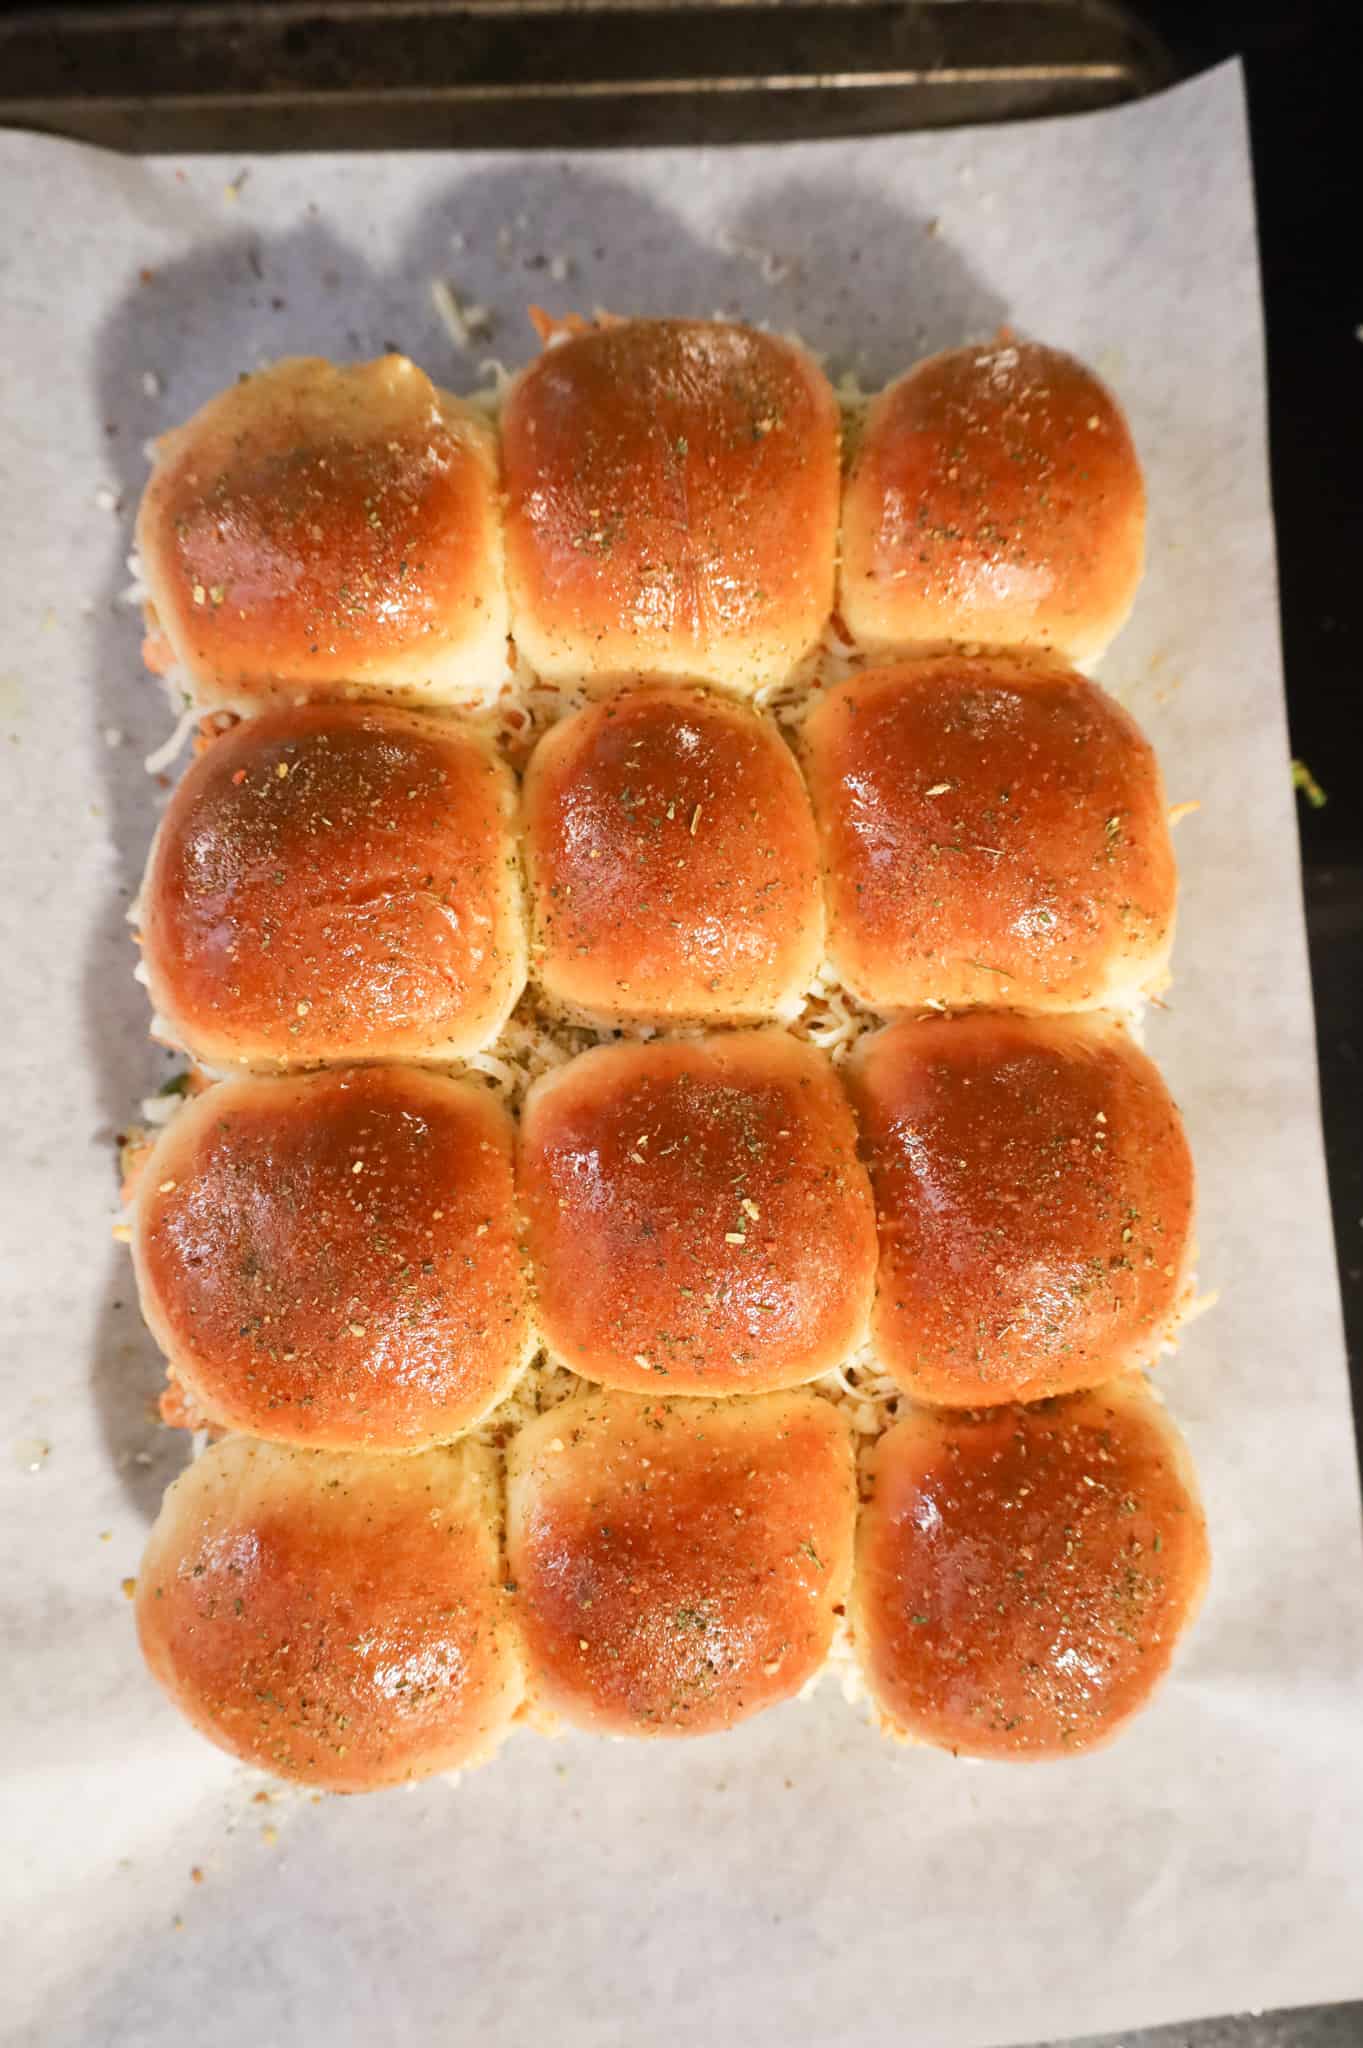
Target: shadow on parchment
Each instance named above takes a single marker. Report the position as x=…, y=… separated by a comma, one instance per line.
x=811, y=259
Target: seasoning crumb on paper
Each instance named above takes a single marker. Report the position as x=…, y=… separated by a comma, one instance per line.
x=463, y=323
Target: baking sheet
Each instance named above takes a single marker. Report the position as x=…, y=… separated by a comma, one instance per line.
x=798, y=1879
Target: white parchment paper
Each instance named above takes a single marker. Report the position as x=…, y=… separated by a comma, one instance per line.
x=798, y=1881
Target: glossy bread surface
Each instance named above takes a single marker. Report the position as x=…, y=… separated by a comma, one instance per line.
x=674, y=871
x=1034, y=1192
x=678, y=1564
x=336, y=883
x=697, y=1216
x=672, y=503
x=315, y=526
x=1024, y=1575
x=332, y=1261
x=338, y=1620
x=993, y=833
x=995, y=497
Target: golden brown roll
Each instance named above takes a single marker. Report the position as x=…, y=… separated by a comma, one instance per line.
x=993, y=832
x=339, y=1620
x=673, y=864
x=678, y=1564
x=336, y=883
x=698, y=1219
x=672, y=503
x=1024, y=1574
x=1034, y=1192
x=332, y=1261
x=314, y=527
x=995, y=497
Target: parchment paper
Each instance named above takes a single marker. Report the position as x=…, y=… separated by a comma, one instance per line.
x=798, y=1881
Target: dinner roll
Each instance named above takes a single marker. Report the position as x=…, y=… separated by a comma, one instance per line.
x=332, y=1261
x=995, y=497
x=1034, y=1191
x=678, y=1564
x=335, y=883
x=698, y=1219
x=339, y=1620
x=318, y=526
x=993, y=832
x=1024, y=1574
x=673, y=864
x=672, y=503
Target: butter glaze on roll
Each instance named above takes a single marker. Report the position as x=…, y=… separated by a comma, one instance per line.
x=673, y=863
x=995, y=497
x=332, y=1261
x=336, y=883
x=679, y=1564
x=697, y=1217
x=994, y=832
x=1024, y=1575
x=672, y=504
x=317, y=526
x=350, y=1259
x=338, y=1620
x=1034, y=1194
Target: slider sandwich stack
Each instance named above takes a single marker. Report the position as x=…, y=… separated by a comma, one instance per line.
x=666, y=1199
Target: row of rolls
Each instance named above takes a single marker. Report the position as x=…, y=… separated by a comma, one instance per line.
x=1015, y=1580
x=345, y=882
x=656, y=497
x=742, y=1344
x=369, y=1258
